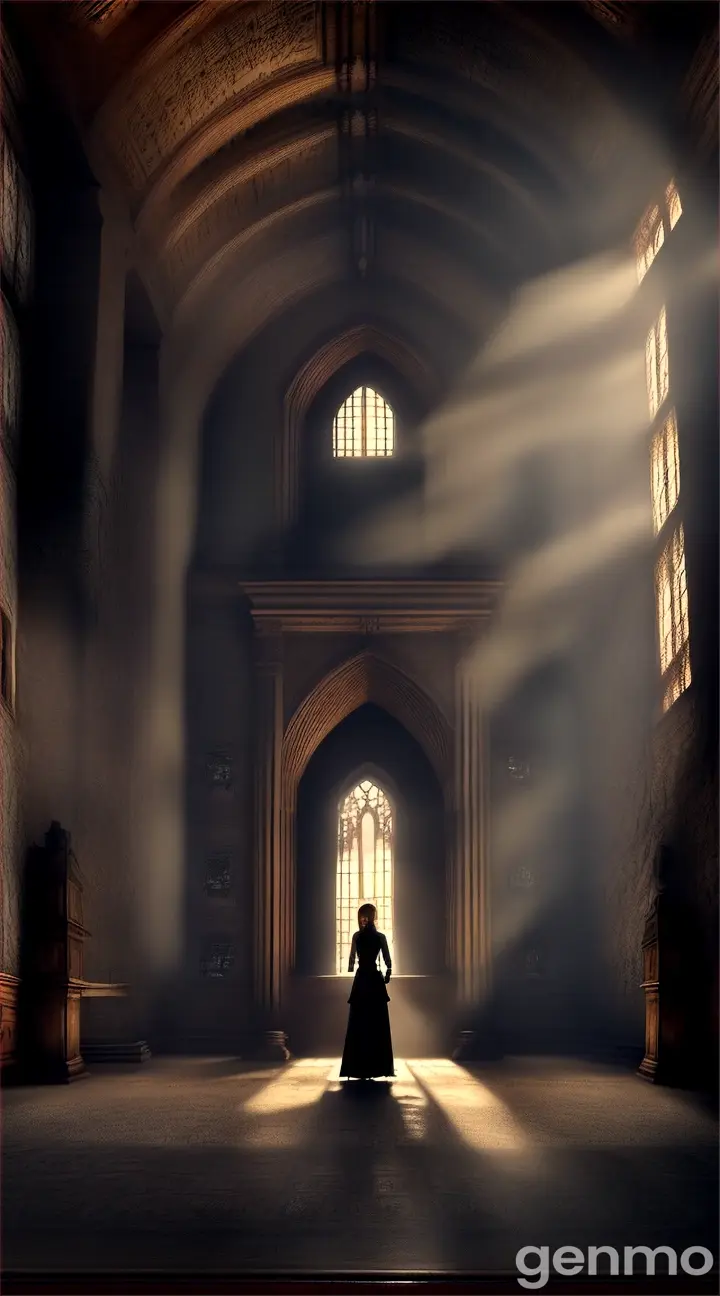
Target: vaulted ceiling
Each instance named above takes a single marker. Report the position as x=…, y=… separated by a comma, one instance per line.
x=449, y=150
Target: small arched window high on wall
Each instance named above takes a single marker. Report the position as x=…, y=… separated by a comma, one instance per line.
x=364, y=864
x=364, y=427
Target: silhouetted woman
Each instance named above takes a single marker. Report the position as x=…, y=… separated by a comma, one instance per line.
x=368, y=1045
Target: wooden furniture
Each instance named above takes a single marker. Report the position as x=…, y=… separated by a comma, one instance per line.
x=9, y=986
x=53, y=984
x=651, y=987
x=670, y=983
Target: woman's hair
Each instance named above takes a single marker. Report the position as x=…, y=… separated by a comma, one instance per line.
x=367, y=911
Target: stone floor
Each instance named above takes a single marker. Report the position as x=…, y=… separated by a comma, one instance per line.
x=208, y=1165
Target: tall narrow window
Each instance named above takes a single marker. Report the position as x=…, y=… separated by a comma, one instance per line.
x=673, y=618
x=657, y=223
x=673, y=626
x=665, y=471
x=364, y=427
x=364, y=864
x=673, y=204
x=656, y=356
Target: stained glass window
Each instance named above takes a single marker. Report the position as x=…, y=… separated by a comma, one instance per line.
x=364, y=864
x=665, y=471
x=656, y=357
x=364, y=427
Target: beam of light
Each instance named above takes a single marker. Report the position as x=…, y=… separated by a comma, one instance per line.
x=478, y=1116
x=539, y=467
x=301, y=1084
x=412, y=1101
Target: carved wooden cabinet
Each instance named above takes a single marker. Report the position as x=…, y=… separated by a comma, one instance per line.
x=670, y=991
x=8, y=1021
x=651, y=988
x=53, y=981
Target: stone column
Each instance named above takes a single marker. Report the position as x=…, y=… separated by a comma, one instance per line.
x=271, y=900
x=469, y=937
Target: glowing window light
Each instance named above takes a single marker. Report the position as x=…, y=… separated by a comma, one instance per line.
x=648, y=240
x=656, y=358
x=364, y=864
x=673, y=616
x=673, y=204
x=654, y=228
x=665, y=471
x=364, y=427
x=679, y=678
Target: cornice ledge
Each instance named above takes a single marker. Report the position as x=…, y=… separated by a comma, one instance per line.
x=370, y=606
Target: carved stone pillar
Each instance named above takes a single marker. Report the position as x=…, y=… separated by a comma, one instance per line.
x=271, y=898
x=469, y=937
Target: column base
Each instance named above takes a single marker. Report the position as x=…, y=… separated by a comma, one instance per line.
x=272, y=1047
x=648, y=1069
x=54, y=1071
x=102, y=1051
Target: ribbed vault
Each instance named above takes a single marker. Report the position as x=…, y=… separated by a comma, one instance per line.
x=361, y=679
x=462, y=148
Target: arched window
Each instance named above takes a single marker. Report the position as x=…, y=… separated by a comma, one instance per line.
x=658, y=222
x=364, y=427
x=671, y=592
x=364, y=864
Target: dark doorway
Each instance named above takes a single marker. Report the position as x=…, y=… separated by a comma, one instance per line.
x=371, y=740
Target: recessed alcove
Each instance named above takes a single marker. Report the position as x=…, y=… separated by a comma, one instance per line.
x=370, y=745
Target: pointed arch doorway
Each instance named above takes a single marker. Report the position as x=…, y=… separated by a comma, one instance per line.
x=369, y=830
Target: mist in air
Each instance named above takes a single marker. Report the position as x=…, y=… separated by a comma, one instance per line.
x=537, y=470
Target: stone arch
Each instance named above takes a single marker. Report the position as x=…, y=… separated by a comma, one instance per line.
x=313, y=376
x=364, y=678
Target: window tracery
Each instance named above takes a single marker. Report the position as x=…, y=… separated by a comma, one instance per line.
x=673, y=626
x=673, y=618
x=364, y=863
x=364, y=427
x=665, y=471
x=657, y=223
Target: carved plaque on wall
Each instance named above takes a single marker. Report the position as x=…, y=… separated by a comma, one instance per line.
x=217, y=959
x=217, y=875
x=220, y=770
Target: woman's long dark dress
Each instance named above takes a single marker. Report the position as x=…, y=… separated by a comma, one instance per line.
x=368, y=1044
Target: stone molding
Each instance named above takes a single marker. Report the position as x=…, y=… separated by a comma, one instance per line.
x=371, y=606
x=363, y=678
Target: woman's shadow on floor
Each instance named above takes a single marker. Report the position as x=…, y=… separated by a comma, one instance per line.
x=365, y=1091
